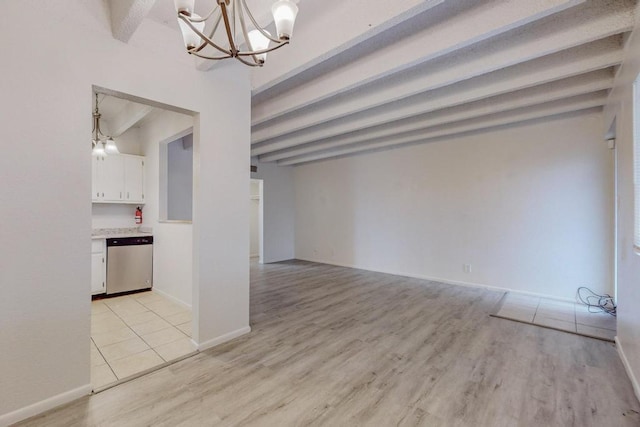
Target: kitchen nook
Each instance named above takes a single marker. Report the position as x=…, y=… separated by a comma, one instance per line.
x=140, y=282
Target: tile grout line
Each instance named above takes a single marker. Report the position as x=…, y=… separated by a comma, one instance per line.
x=140, y=336
x=535, y=313
x=103, y=358
x=574, y=323
x=100, y=351
x=131, y=298
x=129, y=327
x=163, y=318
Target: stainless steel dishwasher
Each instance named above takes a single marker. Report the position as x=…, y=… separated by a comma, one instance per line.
x=129, y=264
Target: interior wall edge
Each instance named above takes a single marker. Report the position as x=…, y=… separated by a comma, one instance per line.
x=45, y=405
x=223, y=338
x=172, y=298
x=628, y=369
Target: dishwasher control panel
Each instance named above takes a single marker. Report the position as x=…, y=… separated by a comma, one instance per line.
x=130, y=241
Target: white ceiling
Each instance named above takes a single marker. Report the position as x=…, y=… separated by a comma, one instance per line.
x=365, y=75
x=119, y=115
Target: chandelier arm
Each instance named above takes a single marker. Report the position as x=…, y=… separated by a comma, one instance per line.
x=95, y=129
x=206, y=40
x=251, y=64
x=98, y=130
x=255, y=24
x=246, y=37
x=96, y=121
x=211, y=33
x=233, y=18
x=267, y=50
x=227, y=26
x=202, y=19
x=215, y=58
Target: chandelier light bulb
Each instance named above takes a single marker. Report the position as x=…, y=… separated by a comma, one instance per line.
x=284, y=15
x=110, y=146
x=98, y=148
x=258, y=42
x=191, y=39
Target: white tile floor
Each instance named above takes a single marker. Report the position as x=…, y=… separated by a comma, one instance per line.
x=133, y=333
x=566, y=316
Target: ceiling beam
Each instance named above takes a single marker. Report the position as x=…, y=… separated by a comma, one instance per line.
x=582, y=102
x=128, y=117
x=582, y=25
x=317, y=40
x=566, y=88
x=127, y=15
x=448, y=31
x=580, y=60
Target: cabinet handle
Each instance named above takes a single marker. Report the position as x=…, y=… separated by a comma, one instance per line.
x=97, y=194
x=102, y=194
x=121, y=194
x=127, y=194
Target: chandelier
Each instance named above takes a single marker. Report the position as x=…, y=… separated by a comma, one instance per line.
x=231, y=39
x=101, y=143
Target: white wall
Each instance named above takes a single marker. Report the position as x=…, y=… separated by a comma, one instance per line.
x=111, y=215
x=529, y=207
x=278, y=210
x=254, y=218
x=129, y=142
x=45, y=203
x=620, y=108
x=173, y=242
x=179, y=181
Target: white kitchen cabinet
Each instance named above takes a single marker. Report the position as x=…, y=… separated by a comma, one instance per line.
x=134, y=179
x=98, y=266
x=118, y=178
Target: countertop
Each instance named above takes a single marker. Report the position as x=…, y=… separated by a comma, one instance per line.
x=115, y=233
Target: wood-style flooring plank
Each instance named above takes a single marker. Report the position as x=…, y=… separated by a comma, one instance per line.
x=333, y=346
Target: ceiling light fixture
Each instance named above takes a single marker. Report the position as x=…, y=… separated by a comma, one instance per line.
x=248, y=47
x=101, y=143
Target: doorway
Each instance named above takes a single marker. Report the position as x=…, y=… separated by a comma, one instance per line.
x=135, y=332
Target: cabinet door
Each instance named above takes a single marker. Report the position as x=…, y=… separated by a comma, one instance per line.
x=134, y=179
x=95, y=189
x=97, y=273
x=111, y=178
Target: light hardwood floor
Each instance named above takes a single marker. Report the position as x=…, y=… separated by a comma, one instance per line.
x=335, y=346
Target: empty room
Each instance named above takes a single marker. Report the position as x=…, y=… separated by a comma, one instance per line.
x=328, y=213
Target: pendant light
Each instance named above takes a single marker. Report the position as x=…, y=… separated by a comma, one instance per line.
x=102, y=144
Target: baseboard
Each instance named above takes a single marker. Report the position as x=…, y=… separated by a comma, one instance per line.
x=274, y=260
x=224, y=338
x=439, y=279
x=172, y=298
x=627, y=367
x=44, y=405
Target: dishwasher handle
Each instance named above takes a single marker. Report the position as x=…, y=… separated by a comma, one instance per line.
x=130, y=241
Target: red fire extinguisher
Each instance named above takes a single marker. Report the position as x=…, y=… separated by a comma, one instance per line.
x=138, y=215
